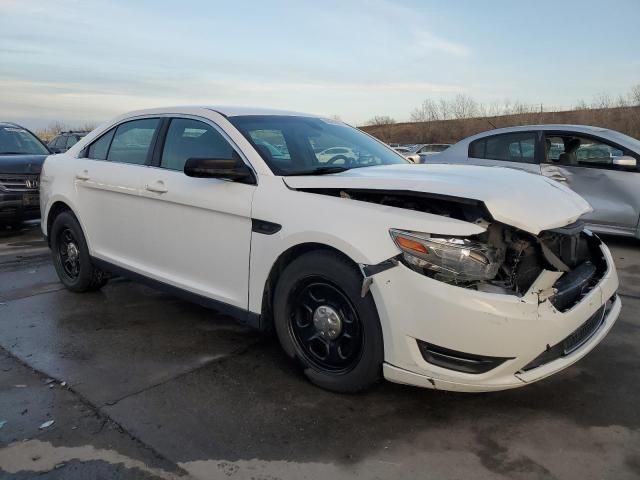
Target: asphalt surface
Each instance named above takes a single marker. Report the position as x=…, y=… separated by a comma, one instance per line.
x=141, y=385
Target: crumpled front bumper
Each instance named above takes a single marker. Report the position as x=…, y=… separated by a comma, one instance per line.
x=414, y=307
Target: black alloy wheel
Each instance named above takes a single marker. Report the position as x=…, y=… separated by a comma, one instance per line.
x=325, y=325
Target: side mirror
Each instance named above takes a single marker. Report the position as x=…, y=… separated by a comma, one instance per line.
x=625, y=161
x=225, y=168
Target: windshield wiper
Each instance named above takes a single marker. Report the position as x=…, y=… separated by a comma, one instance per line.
x=319, y=171
x=13, y=153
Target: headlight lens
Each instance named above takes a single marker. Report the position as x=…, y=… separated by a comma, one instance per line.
x=448, y=259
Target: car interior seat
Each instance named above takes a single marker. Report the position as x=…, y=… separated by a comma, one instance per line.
x=569, y=156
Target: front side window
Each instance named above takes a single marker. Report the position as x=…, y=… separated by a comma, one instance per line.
x=18, y=141
x=508, y=147
x=188, y=138
x=292, y=145
x=99, y=149
x=578, y=151
x=132, y=141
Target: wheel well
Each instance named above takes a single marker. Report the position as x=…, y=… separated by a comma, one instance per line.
x=55, y=210
x=280, y=264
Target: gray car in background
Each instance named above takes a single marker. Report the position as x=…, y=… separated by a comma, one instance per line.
x=599, y=164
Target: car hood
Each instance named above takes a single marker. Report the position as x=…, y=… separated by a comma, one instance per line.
x=523, y=200
x=21, y=163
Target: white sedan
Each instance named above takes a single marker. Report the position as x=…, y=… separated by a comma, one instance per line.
x=443, y=276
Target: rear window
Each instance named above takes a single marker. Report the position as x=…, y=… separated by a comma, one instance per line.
x=132, y=141
x=508, y=147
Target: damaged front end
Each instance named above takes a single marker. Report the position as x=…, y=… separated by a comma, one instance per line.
x=561, y=264
x=506, y=260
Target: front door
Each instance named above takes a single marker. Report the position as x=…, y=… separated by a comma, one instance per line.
x=585, y=164
x=197, y=230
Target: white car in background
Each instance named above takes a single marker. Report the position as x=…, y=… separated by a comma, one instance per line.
x=601, y=165
x=408, y=153
x=442, y=276
x=337, y=155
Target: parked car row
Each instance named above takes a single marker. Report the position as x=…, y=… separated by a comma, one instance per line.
x=417, y=153
x=455, y=277
x=21, y=157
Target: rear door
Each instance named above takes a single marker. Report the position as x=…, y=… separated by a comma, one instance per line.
x=197, y=230
x=513, y=150
x=108, y=181
x=585, y=164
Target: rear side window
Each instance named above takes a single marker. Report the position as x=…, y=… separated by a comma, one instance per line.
x=99, y=149
x=188, y=138
x=509, y=147
x=132, y=141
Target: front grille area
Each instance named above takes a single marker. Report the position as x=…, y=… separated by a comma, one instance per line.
x=19, y=183
x=575, y=340
x=582, y=255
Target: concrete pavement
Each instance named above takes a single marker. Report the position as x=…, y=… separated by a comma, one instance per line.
x=155, y=387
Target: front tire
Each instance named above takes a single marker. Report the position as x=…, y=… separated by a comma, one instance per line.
x=323, y=322
x=71, y=257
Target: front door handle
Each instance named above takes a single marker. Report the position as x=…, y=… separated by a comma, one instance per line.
x=157, y=187
x=84, y=175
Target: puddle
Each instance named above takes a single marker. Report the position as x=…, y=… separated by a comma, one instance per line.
x=38, y=456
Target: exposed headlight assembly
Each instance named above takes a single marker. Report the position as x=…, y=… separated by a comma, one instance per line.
x=448, y=259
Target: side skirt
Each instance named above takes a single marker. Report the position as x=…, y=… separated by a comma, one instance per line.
x=244, y=317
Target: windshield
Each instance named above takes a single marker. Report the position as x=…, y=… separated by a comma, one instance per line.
x=306, y=145
x=18, y=141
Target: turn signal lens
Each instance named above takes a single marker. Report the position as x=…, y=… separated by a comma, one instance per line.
x=448, y=259
x=408, y=244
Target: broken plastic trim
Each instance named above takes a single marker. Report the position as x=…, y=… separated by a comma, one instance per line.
x=575, y=340
x=368, y=271
x=455, y=206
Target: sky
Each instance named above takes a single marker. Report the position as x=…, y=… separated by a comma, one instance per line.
x=85, y=61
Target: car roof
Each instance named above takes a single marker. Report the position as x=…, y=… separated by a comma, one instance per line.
x=226, y=110
x=461, y=147
x=10, y=124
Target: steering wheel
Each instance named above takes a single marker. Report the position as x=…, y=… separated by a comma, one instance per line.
x=337, y=158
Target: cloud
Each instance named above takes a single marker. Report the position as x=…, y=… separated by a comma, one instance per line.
x=426, y=42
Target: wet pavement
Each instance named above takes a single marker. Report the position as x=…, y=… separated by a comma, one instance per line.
x=155, y=387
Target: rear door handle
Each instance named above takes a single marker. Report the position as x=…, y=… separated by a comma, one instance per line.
x=84, y=175
x=157, y=187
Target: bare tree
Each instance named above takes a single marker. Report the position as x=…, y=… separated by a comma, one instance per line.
x=463, y=106
x=429, y=111
x=635, y=95
x=602, y=100
x=444, y=110
x=581, y=105
x=381, y=120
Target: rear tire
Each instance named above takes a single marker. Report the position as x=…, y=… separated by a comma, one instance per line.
x=323, y=322
x=71, y=256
